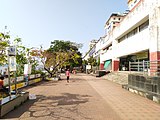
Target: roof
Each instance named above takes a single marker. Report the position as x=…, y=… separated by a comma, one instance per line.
x=116, y=15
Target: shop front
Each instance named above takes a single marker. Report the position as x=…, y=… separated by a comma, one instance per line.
x=137, y=57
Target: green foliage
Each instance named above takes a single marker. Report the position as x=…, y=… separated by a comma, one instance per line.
x=98, y=63
x=22, y=55
x=62, y=53
x=4, y=42
x=85, y=62
x=92, y=61
x=65, y=46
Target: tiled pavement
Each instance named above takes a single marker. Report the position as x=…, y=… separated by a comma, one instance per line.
x=127, y=105
x=85, y=98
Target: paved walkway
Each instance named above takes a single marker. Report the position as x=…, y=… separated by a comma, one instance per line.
x=85, y=98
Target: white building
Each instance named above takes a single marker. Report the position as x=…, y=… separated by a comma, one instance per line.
x=131, y=37
x=92, y=47
x=132, y=3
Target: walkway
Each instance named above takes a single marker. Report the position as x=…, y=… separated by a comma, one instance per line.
x=85, y=98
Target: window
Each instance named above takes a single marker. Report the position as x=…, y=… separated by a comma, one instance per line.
x=121, y=39
x=130, y=34
x=135, y=1
x=135, y=31
x=144, y=26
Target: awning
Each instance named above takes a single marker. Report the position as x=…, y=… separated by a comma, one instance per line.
x=106, y=64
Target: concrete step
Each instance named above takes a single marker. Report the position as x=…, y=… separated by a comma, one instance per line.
x=118, y=77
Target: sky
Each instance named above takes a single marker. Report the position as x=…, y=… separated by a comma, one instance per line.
x=38, y=22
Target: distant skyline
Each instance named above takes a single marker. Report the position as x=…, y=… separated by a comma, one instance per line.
x=38, y=22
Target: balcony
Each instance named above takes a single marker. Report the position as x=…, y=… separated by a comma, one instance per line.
x=107, y=41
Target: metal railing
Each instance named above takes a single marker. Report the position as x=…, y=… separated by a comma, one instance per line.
x=150, y=68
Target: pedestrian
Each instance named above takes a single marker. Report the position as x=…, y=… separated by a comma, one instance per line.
x=2, y=86
x=1, y=82
x=74, y=71
x=68, y=75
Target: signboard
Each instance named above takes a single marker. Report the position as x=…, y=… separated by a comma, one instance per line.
x=4, y=70
x=27, y=69
x=143, y=55
x=20, y=78
x=12, y=63
x=32, y=76
x=19, y=85
x=38, y=75
x=12, y=51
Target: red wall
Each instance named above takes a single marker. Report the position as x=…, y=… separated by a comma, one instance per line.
x=101, y=66
x=115, y=65
x=155, y=56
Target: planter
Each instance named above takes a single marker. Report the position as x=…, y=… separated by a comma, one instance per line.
x=7, y=104
x=53, y=78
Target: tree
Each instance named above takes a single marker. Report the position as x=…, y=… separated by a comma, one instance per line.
x=61, y=54
x=25, y=56
x=64, y=46
x=85, y=62
x=22, y=56
x=92, y=61
x=4, y=42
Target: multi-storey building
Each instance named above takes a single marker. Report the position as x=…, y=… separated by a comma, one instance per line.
x=112, y=22
x=131, y=37
x=132, y=3
x=93, y=43
x=92, y=48
x=106, y=43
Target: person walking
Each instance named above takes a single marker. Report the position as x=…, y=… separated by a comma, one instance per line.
x=68, y=75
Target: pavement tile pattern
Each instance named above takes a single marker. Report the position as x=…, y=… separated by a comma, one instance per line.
x=85, y=97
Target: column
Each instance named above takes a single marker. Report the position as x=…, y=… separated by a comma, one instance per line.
x=115, y=65
x=101, y=66
x=154, y=31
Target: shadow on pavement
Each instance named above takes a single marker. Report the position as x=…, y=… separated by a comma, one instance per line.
x=17, y=112
x=60, y=107
x=41, y=83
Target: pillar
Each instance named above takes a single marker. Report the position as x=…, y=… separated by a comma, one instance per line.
x=101, y=66
x=154, y=32
x=115, y=65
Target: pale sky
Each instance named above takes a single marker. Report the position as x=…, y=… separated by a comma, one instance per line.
x=38, y=22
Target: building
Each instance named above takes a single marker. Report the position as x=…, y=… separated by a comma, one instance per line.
x=112, y=22
x=106, y=43
x=92, y=43
x=134, y=36
x=132, y=3
x=92, y=47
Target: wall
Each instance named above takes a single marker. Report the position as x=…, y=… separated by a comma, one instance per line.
x=134, y=18
x=134, y=44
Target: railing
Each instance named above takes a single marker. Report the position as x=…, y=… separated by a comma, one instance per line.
x=150, y=68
